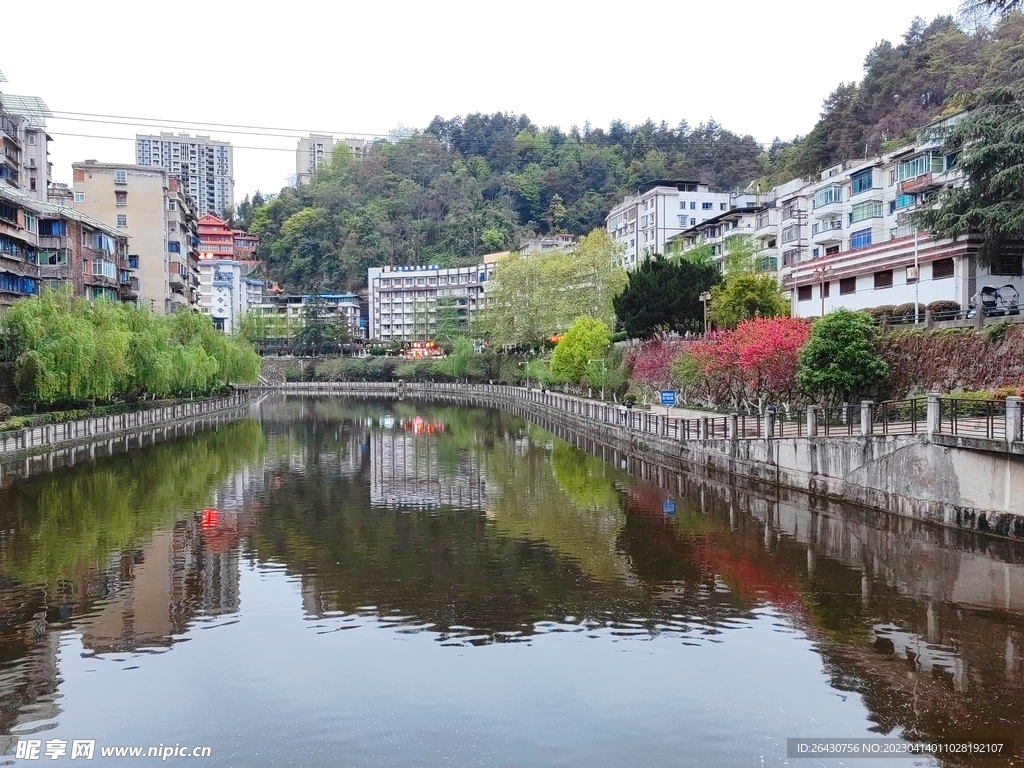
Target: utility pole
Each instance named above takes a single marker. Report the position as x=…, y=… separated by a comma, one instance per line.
x=705, y=297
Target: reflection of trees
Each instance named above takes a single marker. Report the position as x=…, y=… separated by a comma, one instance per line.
x=61, y=525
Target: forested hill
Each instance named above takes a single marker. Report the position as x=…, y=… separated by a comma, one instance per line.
x=467, y=186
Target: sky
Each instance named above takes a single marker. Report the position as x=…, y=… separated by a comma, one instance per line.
x=757, y=67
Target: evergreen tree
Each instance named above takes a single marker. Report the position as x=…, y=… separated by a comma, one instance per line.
x=664, y=295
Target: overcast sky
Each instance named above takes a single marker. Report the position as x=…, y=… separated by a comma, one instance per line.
x=757, y=67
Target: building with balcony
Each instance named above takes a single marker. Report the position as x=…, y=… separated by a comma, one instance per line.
x=316, y=149
x=291, y=310
x=46, y=245
x=25, y=144
x=642, y=224
x=153, y=209
x=719, y=233
x=403, y=301
x=205, y=166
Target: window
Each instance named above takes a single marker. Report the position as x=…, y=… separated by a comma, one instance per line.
x=172, y=205
x=815, y=253
x=942, y=268
x=1004, y=264
x=790, y=257
x=52, y=258
x=892, y=177
x=707, y=206
x=883, y=279
x=121, y=199
x=682, y=205
x=122, y=220
x=721, y=206
x=8, y=212
x=860, y=239
x=860, y=182
x=693, y=205
x=789, y=210
x=682, y=221
x=919, y=165
x=31, y=223
x=693, y=222
x=831, y=250
x=789, y=234
x=827, y=196
x=903, y=201
x=174, y=247
x=79, y=197
x=120, y=177
x=32, y=184
x=803, y=293
x=32, y=139
x=869, y=209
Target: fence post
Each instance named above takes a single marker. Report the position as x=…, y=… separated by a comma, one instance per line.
x=1013, y=419
x=769, y=424
x=979, y=317
x=732, y=426
x=812, y=421
x=929, y=319
x=866, y=422
x=934, y=415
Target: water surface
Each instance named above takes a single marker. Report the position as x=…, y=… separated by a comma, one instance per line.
x=398, y=584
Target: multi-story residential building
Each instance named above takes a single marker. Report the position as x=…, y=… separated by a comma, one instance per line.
x=151, y=207
x=719, y=232
x=661, y=209
x=845, y=239
x=48, y=245
x=315, y=150
x=245, y=244
x=403, y=300
x=291, y=311
x=205, y=165
x=25, y=145
x=216, y=238
x=227, y=291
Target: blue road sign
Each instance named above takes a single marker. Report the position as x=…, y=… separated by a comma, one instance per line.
x=668, y=397
x=668, y=506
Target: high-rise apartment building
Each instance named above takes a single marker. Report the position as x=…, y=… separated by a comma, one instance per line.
x=315, y=150
x=205, y=166
x=151, y=208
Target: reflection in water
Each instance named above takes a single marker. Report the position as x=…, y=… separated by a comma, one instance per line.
x=512, y=600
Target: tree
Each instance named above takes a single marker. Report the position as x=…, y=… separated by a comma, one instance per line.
x=841, y=357
x=987, y=145
x=449, y=325
x=744, y=296
x=536, y=295
x=586, y=340
x=664, y=295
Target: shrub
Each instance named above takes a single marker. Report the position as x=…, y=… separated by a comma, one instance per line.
x=994, y=333
x=885, y=310
x=907, y=310
x=942, y=307
x=293, y=372
x=5, y=412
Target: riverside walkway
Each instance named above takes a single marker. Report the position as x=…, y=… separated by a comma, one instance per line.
x=968, y=423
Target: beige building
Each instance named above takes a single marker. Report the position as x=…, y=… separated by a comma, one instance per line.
x=315, y=150
x=206, y=166
x=149, y=206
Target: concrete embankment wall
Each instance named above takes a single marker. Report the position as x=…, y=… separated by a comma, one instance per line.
x=909, y=475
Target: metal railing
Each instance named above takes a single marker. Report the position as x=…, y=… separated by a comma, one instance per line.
x=994, y=420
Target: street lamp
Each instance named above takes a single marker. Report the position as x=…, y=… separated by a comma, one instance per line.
x=705, y=297
x=823, y=273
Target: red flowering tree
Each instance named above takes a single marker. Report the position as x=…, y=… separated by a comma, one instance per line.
x=651, y=363
x=749, y=367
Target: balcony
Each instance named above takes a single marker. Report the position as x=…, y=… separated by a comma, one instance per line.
x=57, y=243
x=898, y=233
x=177, y=282
x=921, y=183
x=827, y=232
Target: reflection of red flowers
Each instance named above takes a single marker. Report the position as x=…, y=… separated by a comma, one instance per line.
x=754, y=575
x=219, y=532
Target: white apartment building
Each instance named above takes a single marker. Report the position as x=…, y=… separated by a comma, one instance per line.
x=227, y=292
x=719, y=232
x=149, y=206
x=292, y=309
x=205, y=165
x=661, y=209
x=315, y=150
x=403, y=300
x=845, y=238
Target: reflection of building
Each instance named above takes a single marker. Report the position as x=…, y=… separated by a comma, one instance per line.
x=405, y=471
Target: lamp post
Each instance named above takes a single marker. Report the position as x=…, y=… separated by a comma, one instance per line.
x=705, y=297
x=823, y=273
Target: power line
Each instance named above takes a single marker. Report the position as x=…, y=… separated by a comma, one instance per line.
x=129, y=138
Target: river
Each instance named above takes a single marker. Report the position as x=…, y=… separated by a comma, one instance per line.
x=337, y=582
